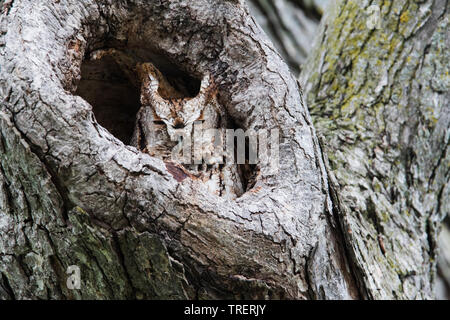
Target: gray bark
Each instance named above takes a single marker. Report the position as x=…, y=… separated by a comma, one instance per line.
x=443, y=266
x=380, y=100
x=297, y=20
x=73, y=194
x=291, y=25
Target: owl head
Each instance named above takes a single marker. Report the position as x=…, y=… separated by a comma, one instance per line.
x=178, y=114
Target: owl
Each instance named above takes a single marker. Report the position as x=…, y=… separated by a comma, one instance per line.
x=186, y=132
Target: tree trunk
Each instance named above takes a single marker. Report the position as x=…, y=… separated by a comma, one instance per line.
x=443, y=266
x=74, y=192
x=291, y=25
x=379, y=97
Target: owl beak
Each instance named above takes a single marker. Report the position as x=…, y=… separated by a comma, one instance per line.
x=178, y=123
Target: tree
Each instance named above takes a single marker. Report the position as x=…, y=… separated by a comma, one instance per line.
x=379, y=96
x=74, y=193
x=289, y=20
x=443, y=268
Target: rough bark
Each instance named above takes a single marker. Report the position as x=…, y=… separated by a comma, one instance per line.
x=291, y=25
x=380, y=100
x=443, y=264
x=73, y=194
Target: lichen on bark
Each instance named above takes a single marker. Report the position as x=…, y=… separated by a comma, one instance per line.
x=380, y=100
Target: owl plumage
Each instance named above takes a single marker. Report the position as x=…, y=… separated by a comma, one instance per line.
x=166, y=114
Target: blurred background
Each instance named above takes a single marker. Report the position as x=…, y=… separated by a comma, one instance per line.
x=292, y=26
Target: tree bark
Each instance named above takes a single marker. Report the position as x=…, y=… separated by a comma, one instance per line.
x=291, y=25
x=443, y=265
x=380, y=100
x=72, y=193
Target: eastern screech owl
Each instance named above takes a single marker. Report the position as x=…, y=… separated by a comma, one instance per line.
x=166, y=116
